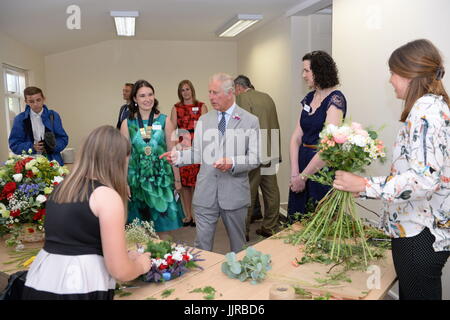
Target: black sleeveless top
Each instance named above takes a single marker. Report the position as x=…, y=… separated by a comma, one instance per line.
x=72, y=228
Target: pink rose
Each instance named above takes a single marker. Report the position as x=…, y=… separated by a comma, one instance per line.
x=356, y=126
x=362, y=132
x=339, y=138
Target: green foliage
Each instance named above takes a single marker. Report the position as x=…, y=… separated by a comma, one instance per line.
x=209, y=292
x=167, y=293
x=254, y=265
x=334, y=279
x=159, y=249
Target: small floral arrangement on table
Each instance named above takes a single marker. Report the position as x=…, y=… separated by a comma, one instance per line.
x=170, y=261
x=334, y=226
x=25, y=183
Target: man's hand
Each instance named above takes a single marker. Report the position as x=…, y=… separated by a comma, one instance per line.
x=171, y=156
x=39, y=147
x=223, y=164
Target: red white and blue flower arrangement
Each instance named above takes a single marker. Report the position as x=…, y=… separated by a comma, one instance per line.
x=170, y=261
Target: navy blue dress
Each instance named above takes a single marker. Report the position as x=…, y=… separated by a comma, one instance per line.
x=312, y=125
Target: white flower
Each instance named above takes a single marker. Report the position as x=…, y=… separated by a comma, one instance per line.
x=41, y=198
x=30, y=151
x=358, y=140
x=10, y=161
x=35, y=170
x=17, y=177
x=30, y=164
x=57, y=179
x=16, y=220
x=331, y=128
x=180, y=249
x=178, y=256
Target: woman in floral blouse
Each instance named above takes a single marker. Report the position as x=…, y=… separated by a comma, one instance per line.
x=416, y=194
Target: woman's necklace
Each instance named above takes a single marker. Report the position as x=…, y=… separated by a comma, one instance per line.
x=146, y=132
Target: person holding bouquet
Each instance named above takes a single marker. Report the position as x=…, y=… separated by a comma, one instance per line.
x=153, y=182
x=184, y=116
x=323, y=105
x=416, y=193
x=85, y=249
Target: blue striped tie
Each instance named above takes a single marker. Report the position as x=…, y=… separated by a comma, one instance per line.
x=222, y=124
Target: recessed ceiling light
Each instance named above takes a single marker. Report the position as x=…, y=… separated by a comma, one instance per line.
x=238, y=24
x=125, y=22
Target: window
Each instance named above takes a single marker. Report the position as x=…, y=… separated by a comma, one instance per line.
x=15, y=81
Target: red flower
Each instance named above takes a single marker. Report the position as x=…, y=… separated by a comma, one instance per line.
x=163, y=267
x=15, y=213
x=38, y=215
x=51, y=164
x=185, y=257
x=29, y=174
x=9, y=189
x=170, y=260
x=18, y=167
x=30, y=230
x=55, y=183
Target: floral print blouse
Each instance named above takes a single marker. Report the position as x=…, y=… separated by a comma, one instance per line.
x=416, y=194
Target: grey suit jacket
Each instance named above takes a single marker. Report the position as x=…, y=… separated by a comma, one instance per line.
x=231, y=189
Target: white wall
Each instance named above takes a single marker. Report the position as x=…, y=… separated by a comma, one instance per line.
x=18, y=55
x=85, y=85
x=364, y=35
x=265, y=57
x=271, y=58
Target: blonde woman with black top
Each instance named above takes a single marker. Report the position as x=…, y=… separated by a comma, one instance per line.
x=85, y=249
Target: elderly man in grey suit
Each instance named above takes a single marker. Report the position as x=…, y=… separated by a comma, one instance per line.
x=226, y=145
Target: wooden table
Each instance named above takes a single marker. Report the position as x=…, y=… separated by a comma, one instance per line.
x=282, y=272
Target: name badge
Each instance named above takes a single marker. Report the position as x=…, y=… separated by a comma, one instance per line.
x=156, y=127
x=195, y=109
x=307, y=108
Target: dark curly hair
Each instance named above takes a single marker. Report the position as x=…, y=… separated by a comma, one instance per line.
x=133, y=106
x=323, y=68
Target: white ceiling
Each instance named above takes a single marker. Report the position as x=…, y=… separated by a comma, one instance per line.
x=41, y=24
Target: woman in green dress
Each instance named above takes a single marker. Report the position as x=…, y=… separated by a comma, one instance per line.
x=153, y=182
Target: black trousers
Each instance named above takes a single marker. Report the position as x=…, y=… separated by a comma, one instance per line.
x=418, y=267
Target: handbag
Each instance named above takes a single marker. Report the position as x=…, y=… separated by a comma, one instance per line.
x=14, y=289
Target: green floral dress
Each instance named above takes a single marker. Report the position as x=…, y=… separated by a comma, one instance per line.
x=151, y=179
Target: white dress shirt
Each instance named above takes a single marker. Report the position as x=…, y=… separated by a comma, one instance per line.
x=37, y=125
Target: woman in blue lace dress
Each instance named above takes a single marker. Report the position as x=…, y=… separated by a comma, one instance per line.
x=323, y=105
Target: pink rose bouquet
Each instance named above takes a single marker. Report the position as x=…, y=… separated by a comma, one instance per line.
x=335, y=224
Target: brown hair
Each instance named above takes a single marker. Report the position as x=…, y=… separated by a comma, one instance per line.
x=103, y=157
x=31, y=91
x=133, y=107
x=421, y=62
x=323, y=68
x=191, y=86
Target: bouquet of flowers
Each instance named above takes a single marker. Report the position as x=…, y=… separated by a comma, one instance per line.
x=25, y=184
x=169, y=261
x=334, y=223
